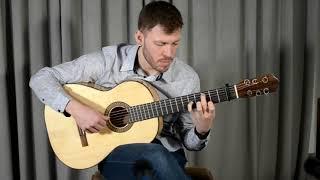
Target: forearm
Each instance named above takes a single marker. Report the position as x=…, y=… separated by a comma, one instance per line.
x=47, y=83
x=48, y=88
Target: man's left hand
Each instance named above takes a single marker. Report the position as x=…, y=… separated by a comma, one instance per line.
x=203, y=115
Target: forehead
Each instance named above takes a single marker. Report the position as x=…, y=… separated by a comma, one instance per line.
x=158, y=33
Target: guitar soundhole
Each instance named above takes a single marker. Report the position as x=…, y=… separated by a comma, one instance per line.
x=119, y=117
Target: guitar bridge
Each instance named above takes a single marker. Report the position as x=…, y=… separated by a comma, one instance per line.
x=83, y=137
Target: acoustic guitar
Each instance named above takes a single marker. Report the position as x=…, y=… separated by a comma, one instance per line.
x=135, y=112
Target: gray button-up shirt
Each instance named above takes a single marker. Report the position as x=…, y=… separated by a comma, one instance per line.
x=113, y=65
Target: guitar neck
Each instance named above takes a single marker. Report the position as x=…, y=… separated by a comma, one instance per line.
x=179, y=104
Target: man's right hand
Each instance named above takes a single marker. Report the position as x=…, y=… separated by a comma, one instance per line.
x=87, y=118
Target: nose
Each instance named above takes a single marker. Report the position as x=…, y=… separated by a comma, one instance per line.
x=169, y=51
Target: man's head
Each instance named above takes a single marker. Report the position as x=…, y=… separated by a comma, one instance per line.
x=159, y=31
x=160, y=13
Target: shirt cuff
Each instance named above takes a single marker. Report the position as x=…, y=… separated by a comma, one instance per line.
x=201, y=136
x=60, y=102
x=193, y=142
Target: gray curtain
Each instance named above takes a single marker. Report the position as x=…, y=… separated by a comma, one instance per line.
x=225, y=41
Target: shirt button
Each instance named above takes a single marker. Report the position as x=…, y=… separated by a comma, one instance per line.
x=59, y=110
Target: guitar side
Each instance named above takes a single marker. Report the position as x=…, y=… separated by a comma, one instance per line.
x=64, y=134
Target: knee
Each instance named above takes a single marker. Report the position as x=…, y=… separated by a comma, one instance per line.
x=158, y=155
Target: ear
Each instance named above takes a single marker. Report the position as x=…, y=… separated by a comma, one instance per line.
x=139, y=37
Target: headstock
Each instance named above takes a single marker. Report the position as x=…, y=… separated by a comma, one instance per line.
x=260, y=85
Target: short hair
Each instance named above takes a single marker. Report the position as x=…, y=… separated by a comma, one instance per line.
x=162, y=13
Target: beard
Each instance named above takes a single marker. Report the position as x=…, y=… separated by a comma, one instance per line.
x=156, y=64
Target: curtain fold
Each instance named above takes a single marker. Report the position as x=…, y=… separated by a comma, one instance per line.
x=6, y=157
x=261, y=138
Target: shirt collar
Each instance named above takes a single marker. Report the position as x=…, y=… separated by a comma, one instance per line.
x=128, y=62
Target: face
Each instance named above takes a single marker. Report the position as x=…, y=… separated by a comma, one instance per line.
x=158, y=48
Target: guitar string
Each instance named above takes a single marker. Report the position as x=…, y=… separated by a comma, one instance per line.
x=118, y=120
x=164, y=104
x=169, y=100
x=120, y=114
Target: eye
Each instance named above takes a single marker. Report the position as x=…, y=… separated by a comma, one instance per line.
x=175, y=44
x=160, y=43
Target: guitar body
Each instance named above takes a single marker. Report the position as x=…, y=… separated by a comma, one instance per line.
x=64, y=134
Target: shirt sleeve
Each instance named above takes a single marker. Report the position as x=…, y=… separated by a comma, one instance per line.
x=191, y=140
x=48, y=82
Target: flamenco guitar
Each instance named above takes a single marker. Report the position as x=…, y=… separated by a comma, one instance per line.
x=135, y=113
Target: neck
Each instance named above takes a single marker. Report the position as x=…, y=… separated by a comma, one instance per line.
x=144, y=65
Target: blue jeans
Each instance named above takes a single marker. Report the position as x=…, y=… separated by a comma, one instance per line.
x=143, y=161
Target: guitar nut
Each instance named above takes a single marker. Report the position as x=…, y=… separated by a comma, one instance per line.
x=249, y=93
x=266, y=90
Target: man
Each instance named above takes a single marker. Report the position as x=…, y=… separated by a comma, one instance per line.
x=153, y=60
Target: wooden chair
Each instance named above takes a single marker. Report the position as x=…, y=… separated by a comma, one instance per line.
x=196, y=173
x=199, y=173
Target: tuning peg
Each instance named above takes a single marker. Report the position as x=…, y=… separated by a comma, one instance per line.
x=258, y=93
x=265, y=79
x=254, y=81
x=247, y=82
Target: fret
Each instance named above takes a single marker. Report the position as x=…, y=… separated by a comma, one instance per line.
x=226, y=94
x=132, y=112
x=147, y=111
x=134, y=117
x=176, y=104
x=136, y=114
x=144, y=112
x=218, y=95
x=188, y=98
x=182, y=102
x=161, y=108
x=194, y=97
x=165, y=104
x=129, y=115
x=171, y=105
x=140, y=111
x=155, y=108
x=232, y=93
x=209, y=95
x=152, y=110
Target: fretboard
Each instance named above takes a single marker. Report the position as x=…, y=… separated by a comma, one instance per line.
x=178, y=104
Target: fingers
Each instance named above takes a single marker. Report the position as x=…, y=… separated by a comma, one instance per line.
x=101, y=124
x=97, y=126
x=212, y=111
x=211, y=107
x=190, y=106
x=202, y=105
x=203, y=101
x=103, y=121
x=91, y=130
